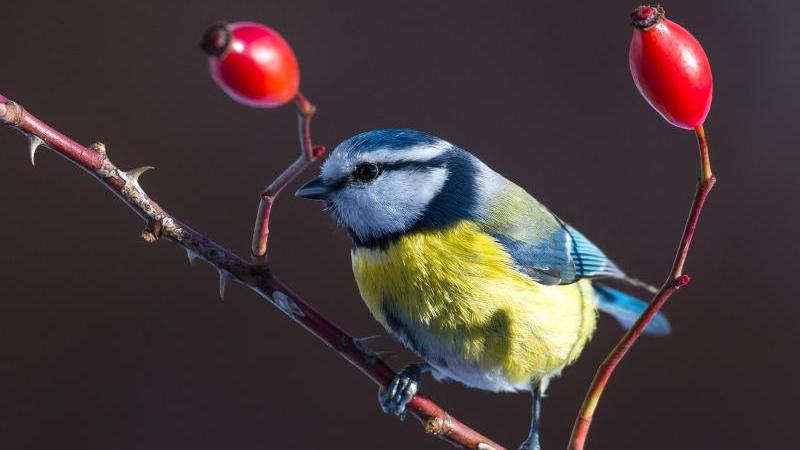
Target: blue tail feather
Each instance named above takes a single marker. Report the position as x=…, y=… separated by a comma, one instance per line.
x=627, y=309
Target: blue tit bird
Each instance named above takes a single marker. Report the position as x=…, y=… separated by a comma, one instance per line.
x=466, y=268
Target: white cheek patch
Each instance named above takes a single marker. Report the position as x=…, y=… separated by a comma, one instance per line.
x=390, y=204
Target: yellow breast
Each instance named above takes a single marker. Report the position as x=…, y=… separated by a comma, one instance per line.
x=456, y=298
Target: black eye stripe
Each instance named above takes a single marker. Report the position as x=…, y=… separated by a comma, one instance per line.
x=431, y=163
x=438, y=162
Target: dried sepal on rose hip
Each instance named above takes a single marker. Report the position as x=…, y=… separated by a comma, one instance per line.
x=670, y=68
x=252, y=63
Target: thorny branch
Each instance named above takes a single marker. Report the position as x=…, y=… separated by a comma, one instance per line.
x=255, y=276
x=676, y=280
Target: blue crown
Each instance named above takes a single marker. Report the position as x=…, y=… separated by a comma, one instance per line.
x=389, y=138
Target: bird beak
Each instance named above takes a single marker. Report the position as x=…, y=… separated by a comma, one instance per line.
x=313, y=190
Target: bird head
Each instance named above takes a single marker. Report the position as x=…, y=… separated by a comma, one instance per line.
x=382, y=183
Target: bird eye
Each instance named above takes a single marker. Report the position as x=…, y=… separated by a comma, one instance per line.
x=366, y=172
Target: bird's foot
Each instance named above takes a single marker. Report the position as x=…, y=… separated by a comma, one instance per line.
x=530, y=444
x=532, y=441
x=401, y=390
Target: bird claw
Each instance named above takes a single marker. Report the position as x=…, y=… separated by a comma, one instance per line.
x=401, y=390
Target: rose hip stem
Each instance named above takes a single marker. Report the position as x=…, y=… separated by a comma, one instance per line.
x=676, y=280
x=308, y=154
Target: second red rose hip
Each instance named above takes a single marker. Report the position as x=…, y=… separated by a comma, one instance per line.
x=670, y=68
x=252, y=63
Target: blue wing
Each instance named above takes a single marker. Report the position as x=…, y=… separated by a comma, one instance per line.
x=626, y=310
x=589, y=261
x=542, y=245
x=564, y=257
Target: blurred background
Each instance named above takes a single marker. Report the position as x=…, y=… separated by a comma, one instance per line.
x=107, y=342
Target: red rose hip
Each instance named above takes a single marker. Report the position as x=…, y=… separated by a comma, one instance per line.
x=670, y=68
x=252, y=63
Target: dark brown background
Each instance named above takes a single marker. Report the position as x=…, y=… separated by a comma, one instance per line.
x=106, y=342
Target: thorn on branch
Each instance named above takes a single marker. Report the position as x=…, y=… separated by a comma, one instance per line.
x=34, y=143
x=362, y=344
x=286, y=304
x=132, y=176
x=192, y=256
x=224, y=277
x=365, y=340
x=385, y=355
x=370, y=356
